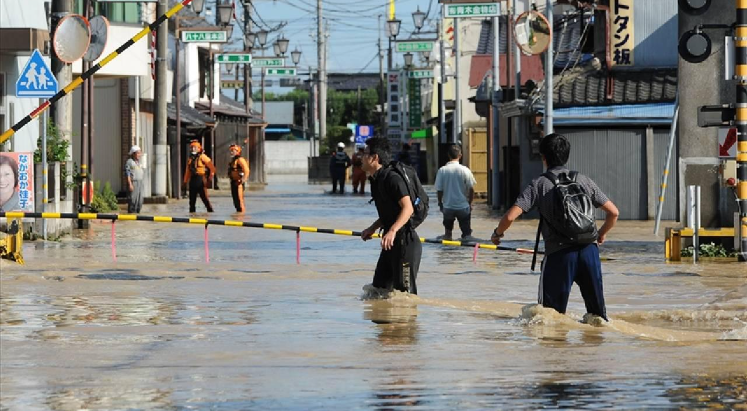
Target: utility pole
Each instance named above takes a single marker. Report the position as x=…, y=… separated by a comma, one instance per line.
x=62, y=110
x=160, y=120
x=322, y=64
x=247, y=67
x=496, y=129
x=742, y=129
x=382, y=113
x=441, y=102
x=549, y=128
x=457, y=99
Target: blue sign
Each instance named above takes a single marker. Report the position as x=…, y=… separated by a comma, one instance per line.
x=36, y=79
x=363, y=133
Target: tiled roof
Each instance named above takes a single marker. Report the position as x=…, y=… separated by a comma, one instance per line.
x=587, y=86
x=189, y=116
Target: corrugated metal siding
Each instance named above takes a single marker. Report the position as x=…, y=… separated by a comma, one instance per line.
x=615, y=160
x=107, y=161
x=655, y=25
x=661, y=141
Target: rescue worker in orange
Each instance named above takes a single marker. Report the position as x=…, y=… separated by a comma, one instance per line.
x=238, y=172
x=359, y=176
x=200, y=170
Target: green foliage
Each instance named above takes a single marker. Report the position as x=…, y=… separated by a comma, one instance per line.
x=57, y=145
x=709, y=250
x=336, y=134
x=342, y=106
x=103, y=199
x=288, y=137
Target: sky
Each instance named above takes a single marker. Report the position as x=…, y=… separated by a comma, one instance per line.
x=353, y=28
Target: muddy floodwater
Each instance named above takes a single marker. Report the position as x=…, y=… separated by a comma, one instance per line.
x=161, y=329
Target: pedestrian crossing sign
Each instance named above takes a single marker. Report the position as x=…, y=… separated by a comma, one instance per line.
x=36, y=79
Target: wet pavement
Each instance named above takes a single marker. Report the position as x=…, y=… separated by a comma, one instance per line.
x=161, y=329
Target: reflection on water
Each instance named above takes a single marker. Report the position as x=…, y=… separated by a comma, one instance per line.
x=160, y=329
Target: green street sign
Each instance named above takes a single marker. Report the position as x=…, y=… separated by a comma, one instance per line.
x=280, y=72
x=405, y=46
x=204, y=36
x=268, y=62
x=473, y=10
x=234, y=58
x=416, y=74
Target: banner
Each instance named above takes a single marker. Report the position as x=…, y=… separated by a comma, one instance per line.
x=622, y=36
x=17, y=182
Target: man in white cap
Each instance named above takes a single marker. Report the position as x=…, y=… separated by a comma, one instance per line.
x=338, y=164
x=134, y=173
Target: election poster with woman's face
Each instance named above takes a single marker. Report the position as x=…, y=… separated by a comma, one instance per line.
x=17, y=182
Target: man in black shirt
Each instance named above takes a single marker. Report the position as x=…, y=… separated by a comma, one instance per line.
x=401, y=250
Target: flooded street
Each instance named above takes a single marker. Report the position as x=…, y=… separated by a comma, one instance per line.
x=161, y=329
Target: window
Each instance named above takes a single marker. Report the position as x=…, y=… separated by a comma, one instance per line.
x=115, y=12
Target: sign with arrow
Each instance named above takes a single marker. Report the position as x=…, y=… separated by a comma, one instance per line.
x=36, y=79
x=727, y=142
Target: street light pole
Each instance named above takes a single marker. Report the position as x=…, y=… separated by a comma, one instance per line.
x=178, y=104
x=160, y=121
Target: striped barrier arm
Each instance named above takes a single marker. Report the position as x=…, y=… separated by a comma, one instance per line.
x=90, y=72
x=236, y=223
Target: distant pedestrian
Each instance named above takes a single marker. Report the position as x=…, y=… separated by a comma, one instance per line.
x=401, y=250
x=135, y=175
x=338, y=165
x=200, y=170
x=455, y=186
x=359, y=176
x=238, y=173
x=566, y=201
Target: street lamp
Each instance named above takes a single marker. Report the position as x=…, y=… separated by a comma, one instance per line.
x=296, y=56
x=262, y=37
x=408, y=59
x=276, y=49
x=249, y=40
x=283, y=45
x=426, y=55
x=394, y=27
x=418, y=17
x=224, y=13
x=198, y=5
x=229, y=67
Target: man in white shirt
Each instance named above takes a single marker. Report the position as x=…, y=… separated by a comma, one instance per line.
x=454, y=183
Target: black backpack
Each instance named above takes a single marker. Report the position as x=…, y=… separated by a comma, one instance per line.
x=415, y=189
x=573, y=211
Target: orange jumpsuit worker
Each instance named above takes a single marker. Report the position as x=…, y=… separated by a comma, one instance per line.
x=238, y=172
x=359, y=176
x=197, y=176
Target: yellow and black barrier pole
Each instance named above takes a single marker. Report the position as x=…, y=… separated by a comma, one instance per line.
x=85, y=76
x=741, y=70
x=236, y=223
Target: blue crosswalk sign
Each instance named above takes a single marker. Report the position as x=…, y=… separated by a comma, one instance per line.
x=363, y=133
x=36, y=79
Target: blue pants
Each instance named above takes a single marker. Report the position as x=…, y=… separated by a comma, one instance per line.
x=579, y=264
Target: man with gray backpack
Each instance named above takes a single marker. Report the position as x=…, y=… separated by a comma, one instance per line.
x=401, y=204
x=566, y=201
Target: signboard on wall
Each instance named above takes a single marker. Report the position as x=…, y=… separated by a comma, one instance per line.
x=394, y=99
x=415, y=109
x=17, y=182
x=622, y=35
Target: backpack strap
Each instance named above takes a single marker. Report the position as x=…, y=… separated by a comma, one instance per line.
x=536, y=243
x=572, y=175
x=552, y=177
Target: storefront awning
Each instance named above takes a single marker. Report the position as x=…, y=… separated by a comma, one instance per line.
x=623, y=114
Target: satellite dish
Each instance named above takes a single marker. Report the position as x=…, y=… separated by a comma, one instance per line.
x=99, y=35
x=532, y=31
x=71, y=38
